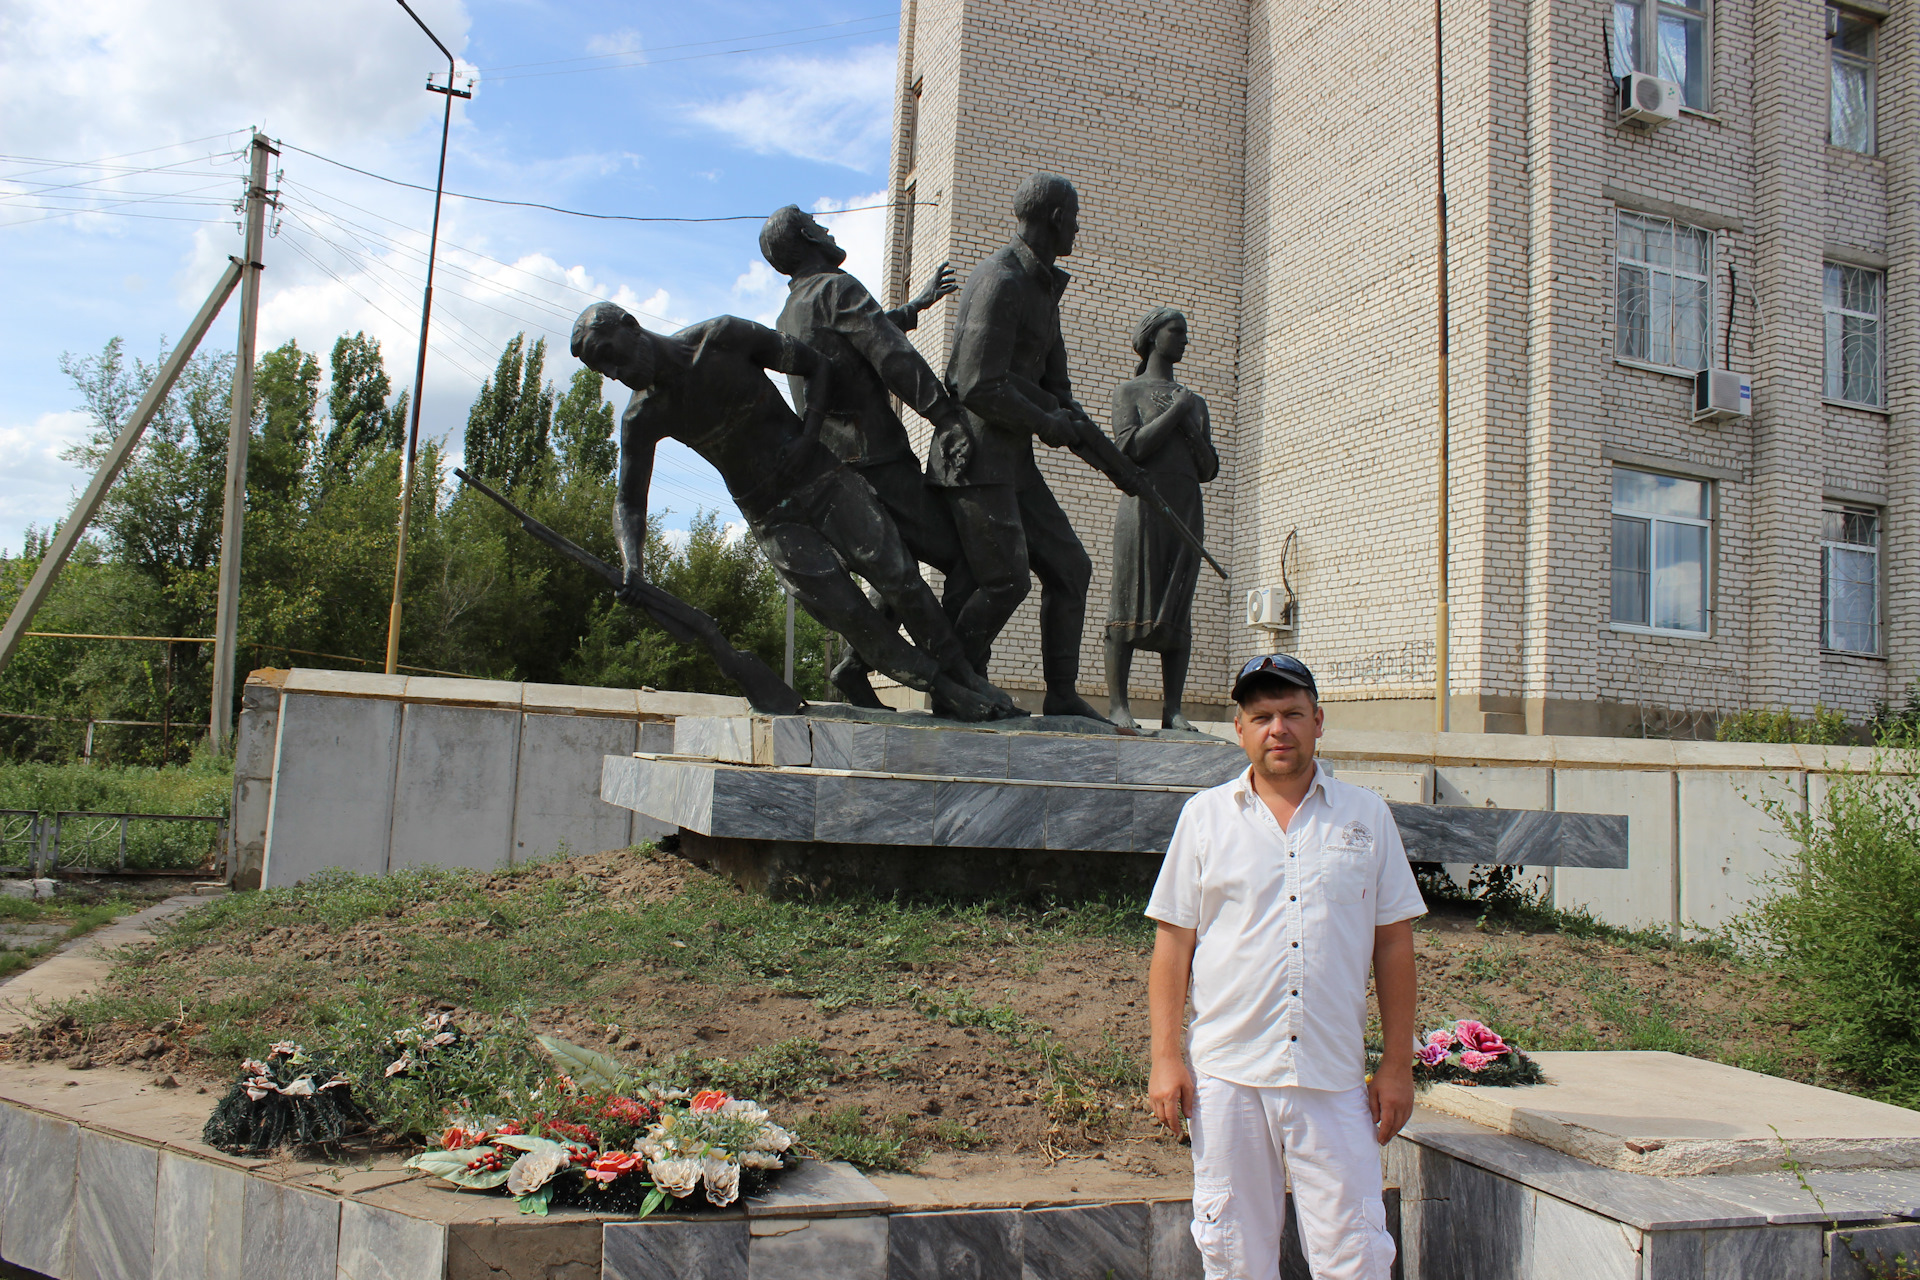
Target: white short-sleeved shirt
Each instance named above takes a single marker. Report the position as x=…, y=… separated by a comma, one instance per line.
x=1285, y=922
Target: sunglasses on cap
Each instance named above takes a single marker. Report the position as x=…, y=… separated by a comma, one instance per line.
x=1284, y=665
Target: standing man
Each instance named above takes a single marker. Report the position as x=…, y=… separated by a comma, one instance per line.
x=1277, y=891
x=832, y=313
x=1008, y=370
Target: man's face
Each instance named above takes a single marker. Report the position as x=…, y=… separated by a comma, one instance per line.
x=620, y=352
x=1066, y=226
x=824, y=241
x=1278, y=731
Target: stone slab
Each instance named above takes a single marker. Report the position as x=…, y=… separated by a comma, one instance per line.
x=1667, y=1114
x=1869, y=1253
x=556, y=804
x=1857, y=1195
x=577, y=699
x=701, y=1249
x=287, y=1233
x=1728, y=842
x=113, y=1236
x=453, y=788
x=196, y=1220
x=521, y=1250
x=332, y=803
x=714, y=738
x=817, y=1187
x=942, y=1246
x=1086, y=1242
x=43, y=1156
x=814, y=1248
x=1751, y=1253
x=1645, y=894
x=378, y=1244
x=344, y=684
x=455, y=691
x=731, y=801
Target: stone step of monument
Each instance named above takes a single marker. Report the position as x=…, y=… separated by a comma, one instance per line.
x=810, y=803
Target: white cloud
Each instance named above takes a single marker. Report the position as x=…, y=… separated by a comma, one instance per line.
x=88, y=77
x=40, y=487
x=613, y=43
x=863, y=234
x=835, y=110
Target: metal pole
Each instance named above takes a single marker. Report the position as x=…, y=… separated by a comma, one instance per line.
x=226, y=616
x=789, y=637
x=89, y=505
x=420, y=362
x=1441, y=693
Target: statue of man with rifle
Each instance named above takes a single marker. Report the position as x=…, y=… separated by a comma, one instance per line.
x=1008, y=370
x=817, y=522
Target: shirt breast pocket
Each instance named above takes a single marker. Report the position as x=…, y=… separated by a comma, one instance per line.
x=1346, y=870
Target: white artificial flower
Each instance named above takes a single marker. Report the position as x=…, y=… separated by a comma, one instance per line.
x=741, y=1109
x=676, y=1177
x=284, y=1049
x=760, y=1159
x=259, y=1087
x=723, y=1181
x=404, y=1063
x=772, y=1138
x=533, y=1170
x=254, y=1067
x=301, y=1088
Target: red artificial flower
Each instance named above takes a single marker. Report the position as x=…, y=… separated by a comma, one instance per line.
x=710, y=1100
x=612, y=1164
x=459, y=1137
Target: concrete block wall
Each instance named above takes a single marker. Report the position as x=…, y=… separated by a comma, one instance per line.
x=1329, y=312
x=374, y=773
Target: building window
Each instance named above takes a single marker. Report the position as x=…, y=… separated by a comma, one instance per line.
x=1663, y=291
x=1661, y=530
x=1850, y=580
x=1665, y=38
x=1852, y=301
x=1854, y=41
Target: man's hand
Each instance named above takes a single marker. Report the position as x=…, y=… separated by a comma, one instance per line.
x=1170, y=1091
x=1063, y=428
x=629, y=593
x=942, y=284
x=1390, y=1099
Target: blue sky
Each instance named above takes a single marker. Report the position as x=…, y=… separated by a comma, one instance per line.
x=691, y=110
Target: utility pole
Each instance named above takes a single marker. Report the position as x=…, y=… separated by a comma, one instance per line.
x=1442, y=694
x=420, y=362
x=233, y=518
x=68, y=535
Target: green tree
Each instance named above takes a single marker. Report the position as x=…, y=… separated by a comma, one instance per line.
x=511, y=420
x=583, y=429
x=357, y=402
x=286, y=392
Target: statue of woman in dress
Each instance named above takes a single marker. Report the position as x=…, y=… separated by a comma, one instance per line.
x=1164, y=427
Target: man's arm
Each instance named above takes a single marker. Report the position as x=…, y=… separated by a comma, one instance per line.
x=908, y=317
x=982, y=363
x=630, y=498
x=903, y=370
x=1170, y=1084
x=1390, y=1093
x=779, y=353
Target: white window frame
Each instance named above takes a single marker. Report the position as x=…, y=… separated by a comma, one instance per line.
x=1870, y=64
x=1647, y=18
x=1827, y=548
x=1619, y=318
x=1652, y=519
x=1834, y=316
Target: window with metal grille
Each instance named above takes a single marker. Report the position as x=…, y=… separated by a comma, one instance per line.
x=1852, y=302
x=1850, y=580
x=1663, y=291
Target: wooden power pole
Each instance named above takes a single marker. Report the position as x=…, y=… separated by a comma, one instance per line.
x=239, y=435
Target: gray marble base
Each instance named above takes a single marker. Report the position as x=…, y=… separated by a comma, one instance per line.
x=657, y=1249
x=113, y=1233
x=812, y=1248
x=287, y=1233
x=746, y=802
x=42, y=1159
x=1087, y=1242
x=961, y=1245
x=1866, y=1253
x=378, y=1244
x=196, y=1220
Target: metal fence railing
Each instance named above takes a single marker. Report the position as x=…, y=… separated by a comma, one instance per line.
x=103, y=843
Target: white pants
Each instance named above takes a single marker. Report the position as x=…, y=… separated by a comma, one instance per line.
x=1245, y=1143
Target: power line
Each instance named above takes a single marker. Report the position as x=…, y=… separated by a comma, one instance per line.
x=573, y=213
x=86, y=164
x=691, y=44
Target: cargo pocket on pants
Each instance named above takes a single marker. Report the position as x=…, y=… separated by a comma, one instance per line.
x=1217, y=1235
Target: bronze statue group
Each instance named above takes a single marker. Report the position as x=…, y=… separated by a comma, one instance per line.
x=832, y=489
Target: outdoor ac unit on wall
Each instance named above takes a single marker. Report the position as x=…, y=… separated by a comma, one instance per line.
x=1719, y=394
x=1649, y=99
x=1269, y=608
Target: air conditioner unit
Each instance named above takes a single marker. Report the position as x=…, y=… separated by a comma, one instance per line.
x=1719, y=394
x=1649, y=99
x=1269, y=607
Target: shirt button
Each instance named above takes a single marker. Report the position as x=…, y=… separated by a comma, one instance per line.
x=1296, y=993
x=1296, y=944
x=1293, y=1037
x=1292, y=898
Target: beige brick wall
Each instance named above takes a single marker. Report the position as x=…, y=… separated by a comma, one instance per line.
x=1269, y=167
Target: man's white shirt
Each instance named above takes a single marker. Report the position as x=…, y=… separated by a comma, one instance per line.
x=1285, y=922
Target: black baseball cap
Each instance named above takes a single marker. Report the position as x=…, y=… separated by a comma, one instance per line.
x=1281, y=666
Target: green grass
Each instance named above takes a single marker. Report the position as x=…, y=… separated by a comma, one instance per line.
x=846, y=1134
x=204, y=786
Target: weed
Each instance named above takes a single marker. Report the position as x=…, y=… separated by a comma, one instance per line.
x=845, y=1134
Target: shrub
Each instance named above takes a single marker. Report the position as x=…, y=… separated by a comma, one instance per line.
x=1826, y=727
x=1842, y=921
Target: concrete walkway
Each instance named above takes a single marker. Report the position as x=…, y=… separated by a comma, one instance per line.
x=82, y=964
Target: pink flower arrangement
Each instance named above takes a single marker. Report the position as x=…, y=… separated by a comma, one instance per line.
x=1462, y=1051
x=1474, y=1060
x=1432, y=1054
x=1478, y=1036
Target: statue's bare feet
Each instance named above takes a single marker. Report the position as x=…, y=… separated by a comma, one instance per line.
x=850, y=678
x=1122, y=716
x=1070, y=704
x=955, y=701
x=1177, y=721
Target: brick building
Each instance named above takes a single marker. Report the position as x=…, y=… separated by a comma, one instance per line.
x=1617, y=567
